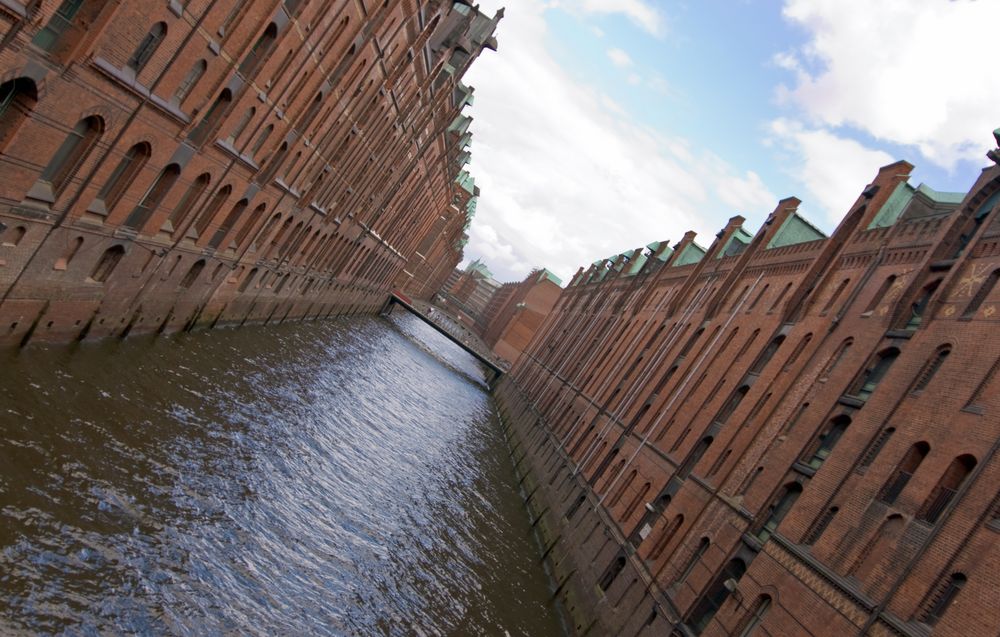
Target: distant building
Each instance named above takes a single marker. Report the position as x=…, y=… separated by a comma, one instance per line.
x=517, y=311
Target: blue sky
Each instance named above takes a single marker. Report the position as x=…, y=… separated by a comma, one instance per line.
x=603, y=125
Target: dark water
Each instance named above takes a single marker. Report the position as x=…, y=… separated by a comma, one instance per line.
x=332, y=478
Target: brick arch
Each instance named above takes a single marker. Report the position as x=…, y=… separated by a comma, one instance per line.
x=33, y=72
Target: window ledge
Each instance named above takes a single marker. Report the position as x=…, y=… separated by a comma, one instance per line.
x=14, y=7
x=127, y=79
x=230, y=149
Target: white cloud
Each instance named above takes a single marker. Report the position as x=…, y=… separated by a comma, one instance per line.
x=568, y=175
x=833, y=169
x=913, y=72
x=634, y=79
x=619, y=58
x=642, y=13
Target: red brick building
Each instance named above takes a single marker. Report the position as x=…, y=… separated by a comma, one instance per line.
x=516, y=312
x=781, y=434
x=169, y=163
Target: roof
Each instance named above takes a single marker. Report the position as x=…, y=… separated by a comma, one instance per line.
x=545, y=274
x=692, y=253
x=738, y=242
x=795, y=230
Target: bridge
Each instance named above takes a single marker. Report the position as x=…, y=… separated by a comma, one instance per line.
x=397, y=298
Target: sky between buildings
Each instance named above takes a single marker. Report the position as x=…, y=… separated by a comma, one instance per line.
x=603, y=125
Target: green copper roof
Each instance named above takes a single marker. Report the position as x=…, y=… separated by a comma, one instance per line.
x=941, y=197
x=636, y=264
x=795, y=230
x=545, y=274
x=693, y=253
x=893, y=207
x=737, y=243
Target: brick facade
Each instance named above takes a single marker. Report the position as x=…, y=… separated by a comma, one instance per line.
x=781, y=434
x=172, y=163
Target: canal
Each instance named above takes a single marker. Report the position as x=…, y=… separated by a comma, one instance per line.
x=345, y=477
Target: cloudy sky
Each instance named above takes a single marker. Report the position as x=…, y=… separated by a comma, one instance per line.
x=604, y=125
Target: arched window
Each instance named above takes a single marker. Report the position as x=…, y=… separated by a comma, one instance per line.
x=153, y=198
x=739, y=298
x=828, y=440
x=247, y=280
x=734, y=401
x=766, y=356
x=715, y=595
x=975, y=401
x=874, y=374
x=190, y=80
x=759, y=296
x=612, y=572
x=636, y=500
x=834, y=296
x=794, y=356
x=310, y=114
x=668, y=534
x=878, y=547
x=931, y=368
x=124, y=173
x=837, y=357
x=258, y=54
x=229, y=223
x=61, y=28
x=11, y=237
x=820, y=525
x=622, y=489
x=781, y=297
x=17, y=99
x=242, y=124
x=904, y=471
x=211, y=209
x=946, y=489
x=72, y=153
x=779, y=508
x=144, y=52
x=187, y=204
x=693, y=457
x=696, y=556
x=275, y=163
x=63, y=262
x=192, y=274
x=248, y=226
x=754, y=616
x=575, y=507
x=210, y=122
x=880, y=295
x=261, y=139
x=981, y=294
x=919, y=305
x=942, y=598
x=109, y=261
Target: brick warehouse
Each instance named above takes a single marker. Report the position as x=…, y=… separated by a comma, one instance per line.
x=781, y=434
x=169, y=163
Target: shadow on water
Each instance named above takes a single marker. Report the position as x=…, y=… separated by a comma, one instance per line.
x=333, y=478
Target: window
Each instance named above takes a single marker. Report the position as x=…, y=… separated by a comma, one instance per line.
x=874, y=374
x=248, y=280
x=187, y=203
x=817, y=529
x=63, y=262
x=797, y=351
x=668, y=534
x=11, y=237
x=71, y=154
x=931, y=368
x=693, y=457
x=734, y=401
x=228, y=224
x=946, y=489
x=242, y=124
x=59, y=27
x=942, y=598
x=919, y=306
x=214, y=116
x=781, y=296
x=248, y=226
x=716, y=595
x=837, y=357
x=109, y=261
x=153, y=197
x=17, y=99
x=754, y=616
x=835, y=295
x=759, y=296
x=124, y=174
x=190, y=80
x=981, y=294
x=699, y=552
x=612, y=572
x=144, y=52
x=904, y=471
x=258, y=54
x=261, y=139
x=881, y=294
x=881, y=544
x=779, y=509
x=636, y=500
x=766, y=356
x=977, y=396
x=828, y=440
x=192, y=274
x=211, y=209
